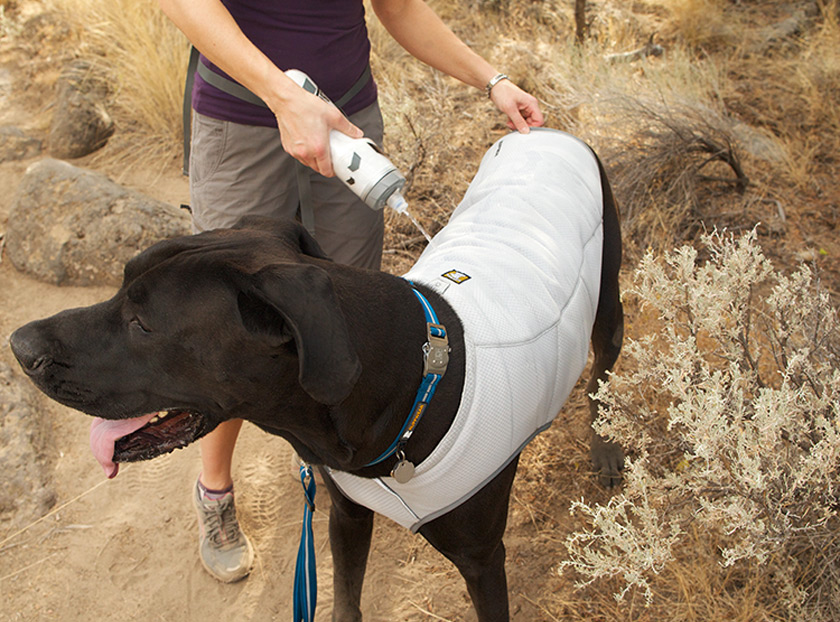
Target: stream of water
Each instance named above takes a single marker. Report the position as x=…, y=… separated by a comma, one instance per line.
x=418, y=225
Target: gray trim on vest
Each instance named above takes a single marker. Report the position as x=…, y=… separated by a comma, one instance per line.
x=416, y=526
x=428, y=519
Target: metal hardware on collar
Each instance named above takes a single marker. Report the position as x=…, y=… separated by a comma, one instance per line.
x=436, y=350
x=435, y=360
x=494, y=81
x=403, y=471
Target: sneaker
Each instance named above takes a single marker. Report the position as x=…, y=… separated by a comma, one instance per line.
x=224, y=550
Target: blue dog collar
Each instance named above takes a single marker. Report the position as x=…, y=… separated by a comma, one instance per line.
x=435, y=360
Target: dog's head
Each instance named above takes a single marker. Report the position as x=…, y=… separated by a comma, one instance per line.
x=204, y=328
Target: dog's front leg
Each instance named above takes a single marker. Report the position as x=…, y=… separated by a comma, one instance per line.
x=470, y=536
x=351, y=526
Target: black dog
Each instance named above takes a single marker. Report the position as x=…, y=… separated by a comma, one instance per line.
x=255, y=323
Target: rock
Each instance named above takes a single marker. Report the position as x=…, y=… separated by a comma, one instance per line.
x=15, y=145
x=25, y=490
x=80, y=123
x=71, y=226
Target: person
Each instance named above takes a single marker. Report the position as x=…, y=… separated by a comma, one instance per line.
x=244, y=153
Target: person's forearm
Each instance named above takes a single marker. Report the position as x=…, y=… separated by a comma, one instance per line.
x=211, y=29
x=304, y=121
x=423, y=35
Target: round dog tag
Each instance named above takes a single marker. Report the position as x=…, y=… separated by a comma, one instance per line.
x=403, y=472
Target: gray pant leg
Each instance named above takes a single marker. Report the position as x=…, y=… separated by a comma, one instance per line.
x=238, y=170
x=348, y=230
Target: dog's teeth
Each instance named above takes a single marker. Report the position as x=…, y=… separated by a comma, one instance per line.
x=159, y=416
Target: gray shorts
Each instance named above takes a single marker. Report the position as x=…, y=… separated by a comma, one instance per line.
x=238, y=170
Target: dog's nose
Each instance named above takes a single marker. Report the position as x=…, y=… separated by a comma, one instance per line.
x=30, y=348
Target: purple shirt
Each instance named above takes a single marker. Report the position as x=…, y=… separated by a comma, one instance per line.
x=326, y=39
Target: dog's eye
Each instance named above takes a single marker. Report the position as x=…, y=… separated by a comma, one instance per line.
x=136, y=324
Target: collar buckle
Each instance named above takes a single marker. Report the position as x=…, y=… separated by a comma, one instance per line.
x=435, y=350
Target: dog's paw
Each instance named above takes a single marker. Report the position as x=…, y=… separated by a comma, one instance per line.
x=607, y=460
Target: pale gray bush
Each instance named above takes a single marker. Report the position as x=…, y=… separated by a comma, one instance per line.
x=729, y=413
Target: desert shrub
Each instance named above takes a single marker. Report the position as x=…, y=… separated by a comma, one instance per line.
x=678, y=153
x=730, y=415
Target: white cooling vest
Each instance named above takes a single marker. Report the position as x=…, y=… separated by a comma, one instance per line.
x=520, y=263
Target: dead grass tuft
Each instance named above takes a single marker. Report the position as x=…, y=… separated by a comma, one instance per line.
x=145, y=57
x=702, y=25
x=675, y=159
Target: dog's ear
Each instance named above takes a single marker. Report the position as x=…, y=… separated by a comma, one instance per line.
x=152, y=256
x=304, y=296
x=307, y=244
x=290, y=231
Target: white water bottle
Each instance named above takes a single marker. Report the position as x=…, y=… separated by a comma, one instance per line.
x=359, y=163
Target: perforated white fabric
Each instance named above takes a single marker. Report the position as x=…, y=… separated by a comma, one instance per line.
x=528, y=236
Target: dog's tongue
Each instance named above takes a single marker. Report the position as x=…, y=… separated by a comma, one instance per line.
x=104, y=433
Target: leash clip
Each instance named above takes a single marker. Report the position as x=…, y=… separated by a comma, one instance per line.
x=435, y=350
x=307, y=478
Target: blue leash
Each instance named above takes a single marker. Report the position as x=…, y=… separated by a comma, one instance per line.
x=306, y=577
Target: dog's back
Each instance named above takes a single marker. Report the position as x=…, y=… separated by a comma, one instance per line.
x=520, y=262
x=529, y=236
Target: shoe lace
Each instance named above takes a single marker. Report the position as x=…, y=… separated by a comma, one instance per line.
x=222, y=528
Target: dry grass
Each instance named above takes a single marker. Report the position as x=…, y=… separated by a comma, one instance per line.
x=665, y=128
x=673, y=130
x=701, y=24
x=145, y=57
x=694, y=588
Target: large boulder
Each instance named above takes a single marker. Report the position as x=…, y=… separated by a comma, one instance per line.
x=70, y=226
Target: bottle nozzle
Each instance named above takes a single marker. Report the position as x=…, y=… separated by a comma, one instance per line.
x=397, y=202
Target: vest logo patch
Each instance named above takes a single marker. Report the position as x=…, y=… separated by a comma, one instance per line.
x=456, y=276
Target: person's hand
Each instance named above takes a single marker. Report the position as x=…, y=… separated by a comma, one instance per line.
x=305, y=121
x=522, y=109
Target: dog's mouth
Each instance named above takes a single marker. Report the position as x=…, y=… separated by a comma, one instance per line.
x=142, y=438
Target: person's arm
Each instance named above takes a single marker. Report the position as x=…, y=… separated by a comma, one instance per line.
x=303, y=119
x=419, y=30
